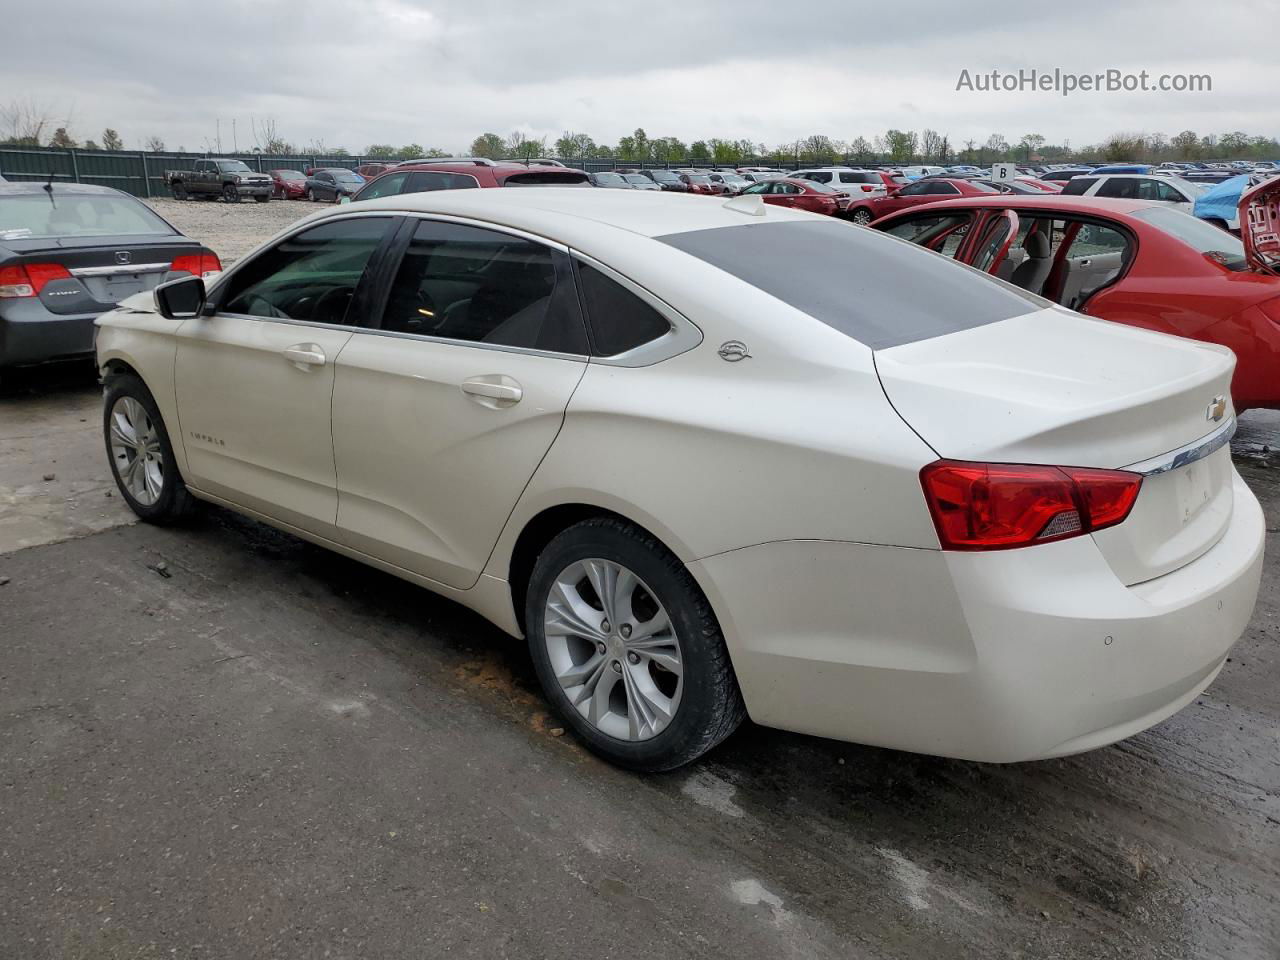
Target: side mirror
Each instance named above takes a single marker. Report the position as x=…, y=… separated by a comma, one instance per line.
x=181, y=299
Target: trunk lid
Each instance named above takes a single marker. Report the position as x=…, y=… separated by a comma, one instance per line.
x=1260, y=226
x=104, y=270
x=1054, y=387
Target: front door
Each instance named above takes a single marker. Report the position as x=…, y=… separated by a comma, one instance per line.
x=442, y=412
x=254, y=381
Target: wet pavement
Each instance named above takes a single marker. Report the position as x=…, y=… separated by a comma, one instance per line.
x=219, y=741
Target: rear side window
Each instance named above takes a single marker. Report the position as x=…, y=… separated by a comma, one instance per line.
x=618, y=320
x=851, y=279
x=1078, y=186
x=821, y=176
x=1121, y=188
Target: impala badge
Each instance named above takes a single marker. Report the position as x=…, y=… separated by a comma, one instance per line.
x=1217, y=410
x=733, y=351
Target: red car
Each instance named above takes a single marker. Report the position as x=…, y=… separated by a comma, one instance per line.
x=455, y=173
x=930, y=190
x=289, y=184
x=801, y=194
x=701, y=183
x=1137, y=262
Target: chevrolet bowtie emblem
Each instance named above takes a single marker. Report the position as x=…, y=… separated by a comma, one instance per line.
x=1216, y=410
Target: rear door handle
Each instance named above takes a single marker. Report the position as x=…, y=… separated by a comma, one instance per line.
x=304, y=356
x=494, y=390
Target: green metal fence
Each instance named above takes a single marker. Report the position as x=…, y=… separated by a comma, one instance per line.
x=143, y=174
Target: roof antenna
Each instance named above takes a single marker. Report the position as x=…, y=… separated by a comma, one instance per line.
x=48, y=188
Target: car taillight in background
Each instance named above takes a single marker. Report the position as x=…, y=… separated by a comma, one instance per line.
x=995, y=506
x=27, y=280
x=200, y=264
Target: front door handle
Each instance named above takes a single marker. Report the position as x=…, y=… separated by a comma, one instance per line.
x=494, y=390
x=304, y=356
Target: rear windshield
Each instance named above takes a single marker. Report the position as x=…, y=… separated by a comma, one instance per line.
x=547, y=178
x=76, y=215
x=856, y=280
x=1200, y=236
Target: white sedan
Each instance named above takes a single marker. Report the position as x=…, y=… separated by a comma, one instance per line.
x=716, y=460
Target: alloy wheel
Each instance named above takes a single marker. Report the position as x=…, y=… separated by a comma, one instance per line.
x=613, y=649
x=862, y=217
x=136, y=453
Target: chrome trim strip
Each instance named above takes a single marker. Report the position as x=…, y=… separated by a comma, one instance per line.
x=1196, y=450
x=120, y=268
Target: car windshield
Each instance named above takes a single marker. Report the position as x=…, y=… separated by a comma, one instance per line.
x=610, y=178
x=733, y=178
x=635, y=178
x=693, y=178
x=233, y=166
x=819, y=187
x=664, y=175
x=1195, y=233
x=350, y=178
x=76, y=215
x=812, y=266
x=290, y=175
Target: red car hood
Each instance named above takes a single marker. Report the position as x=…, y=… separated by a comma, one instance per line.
x=1260, y=226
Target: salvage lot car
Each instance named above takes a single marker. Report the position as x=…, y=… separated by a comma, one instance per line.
x=1135, y=262
x=656, y=438
x=70, y=251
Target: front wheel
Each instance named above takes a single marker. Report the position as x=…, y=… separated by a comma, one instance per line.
x=230, y=193
x=141, y=455
x=861, y=217
x=627, y=648
x=311, y=197
x=179, y=191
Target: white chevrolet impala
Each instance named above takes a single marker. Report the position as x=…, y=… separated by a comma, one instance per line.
x=716, y=460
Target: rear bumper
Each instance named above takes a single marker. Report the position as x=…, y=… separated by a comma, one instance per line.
x=31, y=334
x=999, y=657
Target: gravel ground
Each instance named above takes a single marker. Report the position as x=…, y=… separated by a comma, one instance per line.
x=232, y=230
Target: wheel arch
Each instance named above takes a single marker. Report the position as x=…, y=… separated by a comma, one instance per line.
x=545, y=524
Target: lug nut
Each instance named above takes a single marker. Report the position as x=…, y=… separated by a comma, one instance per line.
x=633, y=658
x=625, y=630
x=600, y=647
x=617, y=666
x=604, y=625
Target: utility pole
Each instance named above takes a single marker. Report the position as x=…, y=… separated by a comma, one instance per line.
x=235, y=144
x=218, y=137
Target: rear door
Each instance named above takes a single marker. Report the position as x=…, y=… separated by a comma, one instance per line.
x=445, y=407
x=254, y=381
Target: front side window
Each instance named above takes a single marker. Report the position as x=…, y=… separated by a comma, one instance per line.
x=619, y=320
x=466, y=283
x=309, y=276
x=387, y=186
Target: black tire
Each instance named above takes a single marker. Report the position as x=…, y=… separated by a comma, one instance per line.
x=230, y=193
x=263, y=198
x=311, y=197
x=174, y=501
x=710, y=706
x=179, y=191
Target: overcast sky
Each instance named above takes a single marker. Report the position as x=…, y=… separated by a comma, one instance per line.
x=439, y=72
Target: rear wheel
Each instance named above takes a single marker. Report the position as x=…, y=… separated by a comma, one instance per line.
x=141, y=455
x=627, y=648
x=861, y=216
x=311, y=197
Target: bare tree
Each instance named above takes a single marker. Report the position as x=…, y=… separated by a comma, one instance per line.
x=154, y=145
x=23, y=121
x=268, y=139
x=111, y=140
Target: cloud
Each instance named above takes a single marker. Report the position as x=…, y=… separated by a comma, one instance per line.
x=438, y=72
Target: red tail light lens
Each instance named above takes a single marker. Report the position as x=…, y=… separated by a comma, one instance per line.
x=29, y=279
x=996, y=506
x=199, y=264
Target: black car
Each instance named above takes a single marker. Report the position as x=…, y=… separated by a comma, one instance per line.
x=69, y=252
x=667, y=180
x=606, y=178
x=333, y=183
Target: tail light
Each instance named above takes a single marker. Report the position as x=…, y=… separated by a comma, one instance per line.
x=996, y=506
x=27, y=280
x=200, y=264
x=867, y=188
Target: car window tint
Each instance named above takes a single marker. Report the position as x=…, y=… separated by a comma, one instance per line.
x=310, y=276
x=387, y=186
x=1078, y=186
x=914, y=190
x=941, y=234
x=618, y=319
x=821, y=176
x=1121, y=187
x=425, y=181
x=850, y=279
x=467, y=283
